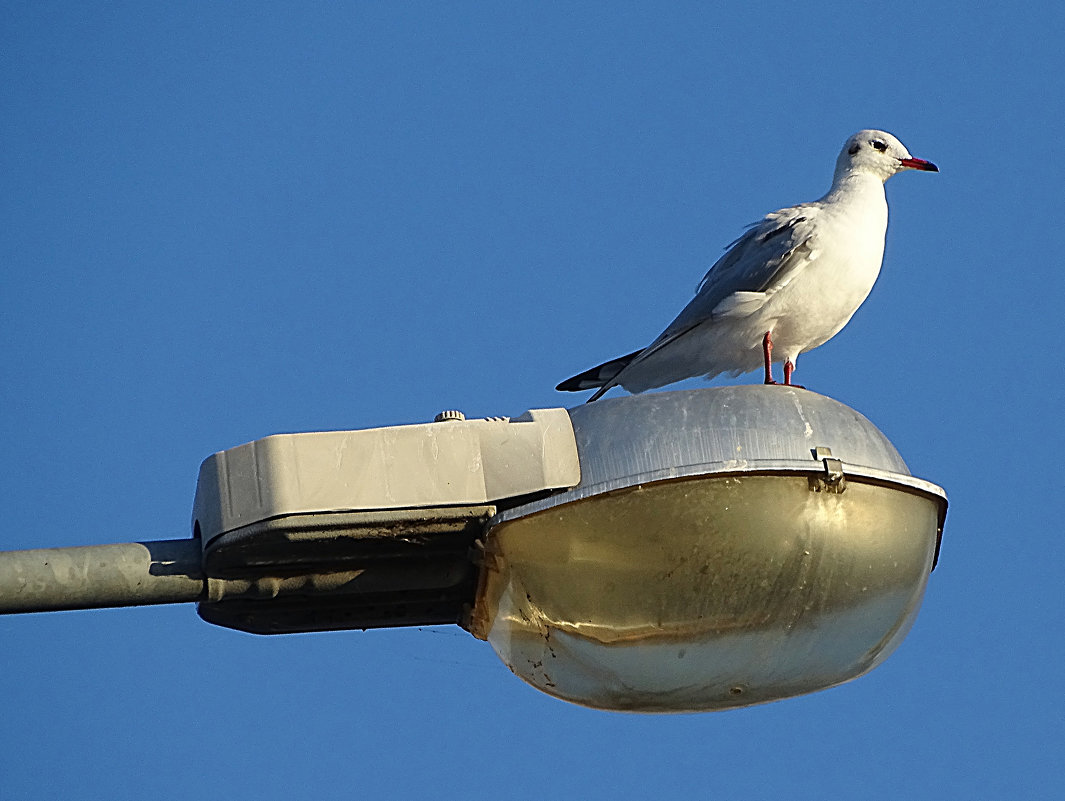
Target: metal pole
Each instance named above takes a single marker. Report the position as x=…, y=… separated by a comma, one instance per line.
x=95, y=576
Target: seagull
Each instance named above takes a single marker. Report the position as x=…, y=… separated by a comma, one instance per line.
x=785, y=287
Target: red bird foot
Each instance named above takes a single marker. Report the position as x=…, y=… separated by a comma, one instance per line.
x=767, y=355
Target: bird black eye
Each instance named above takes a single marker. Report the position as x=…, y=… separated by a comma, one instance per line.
x=879, y=144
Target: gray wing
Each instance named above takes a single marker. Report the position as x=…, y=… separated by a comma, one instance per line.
x=766, y=258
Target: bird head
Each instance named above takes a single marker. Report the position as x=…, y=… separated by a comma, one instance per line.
x=877, y=153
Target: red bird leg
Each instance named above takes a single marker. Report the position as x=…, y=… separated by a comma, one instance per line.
x=767, y=354
x=789, y=368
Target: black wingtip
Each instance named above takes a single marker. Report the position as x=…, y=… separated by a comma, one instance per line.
x=570, y=385
x=597, y=376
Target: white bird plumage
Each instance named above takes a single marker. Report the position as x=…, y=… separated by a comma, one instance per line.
x=785, y=287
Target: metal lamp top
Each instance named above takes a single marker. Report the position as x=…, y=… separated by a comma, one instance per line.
x=640, y=439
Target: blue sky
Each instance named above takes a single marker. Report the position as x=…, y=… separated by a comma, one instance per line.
x=223, y=221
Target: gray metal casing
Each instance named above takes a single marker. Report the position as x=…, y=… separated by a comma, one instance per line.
x=369, y=528
x=657, y=436
x=451, y=463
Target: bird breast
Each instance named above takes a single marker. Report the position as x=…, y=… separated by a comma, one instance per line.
x=844, y=263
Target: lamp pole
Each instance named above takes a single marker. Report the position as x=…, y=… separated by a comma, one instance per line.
x=98, y=576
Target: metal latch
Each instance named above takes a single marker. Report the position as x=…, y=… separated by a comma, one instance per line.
x=832, y=480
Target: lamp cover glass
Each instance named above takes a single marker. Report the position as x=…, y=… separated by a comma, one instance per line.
x=707, y=592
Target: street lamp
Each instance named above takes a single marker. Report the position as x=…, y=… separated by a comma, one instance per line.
x=674, y=551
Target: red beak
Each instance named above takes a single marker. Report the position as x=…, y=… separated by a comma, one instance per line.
x=919, y=164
